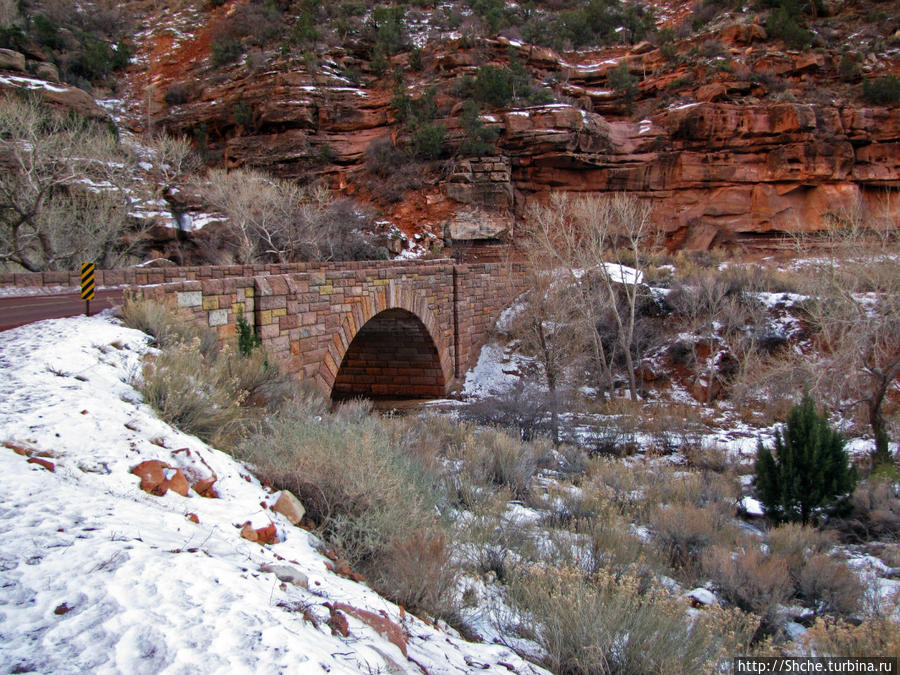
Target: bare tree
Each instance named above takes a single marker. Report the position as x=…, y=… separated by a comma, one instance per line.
x=854, y=308
x=172, y=160
x=262, y=212
x=66, y=191
x=547, y=329
x=597, y=242
x=274, y=219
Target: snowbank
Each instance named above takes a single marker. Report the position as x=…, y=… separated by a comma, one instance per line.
x=99, y=575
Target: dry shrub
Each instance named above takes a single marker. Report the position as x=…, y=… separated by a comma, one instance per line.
x=373, y=502
x=795, y=543
x=522, y=409
x=707, y=457
x=876, y=510
x=836, y=637
x=694, y=487
x=890, y=554
x=494, y=545
x=198, y=400
x=622, y=485
x=683, y=532
x=683, y=419
x=568, y=507
x=498, y=459
x=749, y=579
x=213, y=393
x=162, y=324
x=607, y=623
x=418, y=573
x=612, y=544
x=829, y=582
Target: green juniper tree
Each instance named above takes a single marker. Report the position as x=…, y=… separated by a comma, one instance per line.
x=809, y=471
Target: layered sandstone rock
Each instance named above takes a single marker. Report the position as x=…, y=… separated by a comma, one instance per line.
x=714, y=169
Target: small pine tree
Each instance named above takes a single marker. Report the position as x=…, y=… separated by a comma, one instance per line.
x=810, y=470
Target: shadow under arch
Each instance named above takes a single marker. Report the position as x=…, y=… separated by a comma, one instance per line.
x=393, y=355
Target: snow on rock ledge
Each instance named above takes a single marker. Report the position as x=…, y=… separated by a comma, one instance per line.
x=99, y=575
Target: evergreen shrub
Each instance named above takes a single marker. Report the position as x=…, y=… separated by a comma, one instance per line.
x=809, y=473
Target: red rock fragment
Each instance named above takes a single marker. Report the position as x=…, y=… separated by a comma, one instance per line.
x=263, y=535
x=337, y=622
x=290, y=507
x=18, y=449
x=342, y=568
x=47, y=464
x=205, y=487
x=153, y=474
x=382, y=625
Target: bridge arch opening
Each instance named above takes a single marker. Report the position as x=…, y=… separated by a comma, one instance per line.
x=393, y=356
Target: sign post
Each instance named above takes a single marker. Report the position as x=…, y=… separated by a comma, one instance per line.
x=87, y=286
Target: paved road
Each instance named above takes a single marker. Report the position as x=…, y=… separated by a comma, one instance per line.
x=24, y=309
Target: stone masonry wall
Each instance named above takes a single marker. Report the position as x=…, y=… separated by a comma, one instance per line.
x=308, y=319
x=483, y=291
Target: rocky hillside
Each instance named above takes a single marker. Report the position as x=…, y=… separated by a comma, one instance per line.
x=738, y=123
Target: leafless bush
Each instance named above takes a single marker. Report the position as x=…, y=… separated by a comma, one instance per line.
x=196, y=400
x=612, y=544
x=492, y=544
x=418, y=573
x=501, y=460
x=197, y=387
x=693, y=488
x=164, y=325
x=622, y=485
x=392, y=171
x=831, y=584
x=9, y=13
x=838, y=637
x=524, y=409
x=257, y=23
x=749, y=579
x=795, y=543
x=876, y=510
x=683, y=533
x=371, y=500
x=707, y=457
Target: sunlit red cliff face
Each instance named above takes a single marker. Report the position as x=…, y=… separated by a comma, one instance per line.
x=731, y=136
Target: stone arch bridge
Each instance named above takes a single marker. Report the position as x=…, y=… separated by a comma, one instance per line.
x=374, y=329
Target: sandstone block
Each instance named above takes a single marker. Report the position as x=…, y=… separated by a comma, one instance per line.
x=190, y=299
x=218, y=317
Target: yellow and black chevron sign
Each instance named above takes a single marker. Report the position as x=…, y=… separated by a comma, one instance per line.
x=87, y=281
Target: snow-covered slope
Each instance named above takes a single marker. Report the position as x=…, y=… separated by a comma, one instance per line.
x=97, y=575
